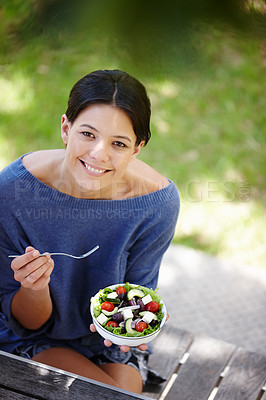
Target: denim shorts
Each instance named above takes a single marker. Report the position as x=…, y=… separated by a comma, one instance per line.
x=30, y=350
x=134, y=357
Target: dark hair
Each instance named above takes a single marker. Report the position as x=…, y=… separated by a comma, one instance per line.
x=116, y=88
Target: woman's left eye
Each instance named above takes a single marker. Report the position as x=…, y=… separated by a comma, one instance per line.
x=119, y=144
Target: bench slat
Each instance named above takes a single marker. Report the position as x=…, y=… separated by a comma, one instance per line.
x=168, y=349
x=199, y=375
x=8, y=395
x=245, y=378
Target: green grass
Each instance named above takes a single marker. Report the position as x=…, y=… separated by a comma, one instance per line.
x=208, y=124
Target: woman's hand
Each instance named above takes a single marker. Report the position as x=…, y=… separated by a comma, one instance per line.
x=32, y=303
x=31, y=270
x=123, y=348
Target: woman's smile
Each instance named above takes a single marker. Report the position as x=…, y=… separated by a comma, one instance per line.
x=93, y=170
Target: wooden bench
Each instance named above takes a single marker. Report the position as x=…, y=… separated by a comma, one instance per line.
x=196, y=368
x=200, y=367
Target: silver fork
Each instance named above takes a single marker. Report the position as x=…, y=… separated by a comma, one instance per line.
x=65, y=254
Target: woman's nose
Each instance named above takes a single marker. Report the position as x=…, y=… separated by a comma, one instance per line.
x=99, y=151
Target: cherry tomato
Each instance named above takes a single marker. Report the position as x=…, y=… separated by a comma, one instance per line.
x=113, y=324
x=120, y=290
x=107, y=306
x=141, y=326
x=152, y=306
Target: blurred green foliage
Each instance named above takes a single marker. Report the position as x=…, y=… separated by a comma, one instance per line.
x=158, y=37
x=203, y=63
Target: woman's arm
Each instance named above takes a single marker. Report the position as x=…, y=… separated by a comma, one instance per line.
x=31, y=305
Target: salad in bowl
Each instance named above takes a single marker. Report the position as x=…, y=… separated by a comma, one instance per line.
x=128, y=314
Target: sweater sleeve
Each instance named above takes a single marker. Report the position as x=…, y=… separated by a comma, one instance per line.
x=8, y=287
x=145, y=255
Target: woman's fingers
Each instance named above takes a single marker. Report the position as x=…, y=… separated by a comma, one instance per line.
x=42, y=282
x=36, y=267
x=29, y=248
x=24, y=259
x=124, y=348
x=143, y=347
x=32, y=270
x=107, y=343
x=41, y=271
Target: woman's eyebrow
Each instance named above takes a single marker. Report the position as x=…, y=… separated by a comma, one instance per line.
x=90, y=126
x=122, y=137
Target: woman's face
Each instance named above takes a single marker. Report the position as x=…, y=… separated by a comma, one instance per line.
x=100, y=144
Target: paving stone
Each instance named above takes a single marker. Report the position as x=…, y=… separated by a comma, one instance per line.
x=206, y=295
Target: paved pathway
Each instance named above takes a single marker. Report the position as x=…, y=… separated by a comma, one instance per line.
x=206, y=295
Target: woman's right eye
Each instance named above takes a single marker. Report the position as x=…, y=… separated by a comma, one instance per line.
x=87, y=134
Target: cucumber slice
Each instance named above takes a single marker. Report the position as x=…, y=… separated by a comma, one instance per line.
x=108, y=313
x=128, y=326
x=135, y=292
x=130, y=331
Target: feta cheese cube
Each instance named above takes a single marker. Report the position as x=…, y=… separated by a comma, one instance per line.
x=112, y=295
x=146, y=299
x=127, y=313
x=102, y=318
x=148, y=317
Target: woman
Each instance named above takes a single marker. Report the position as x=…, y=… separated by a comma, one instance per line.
x=93, y=192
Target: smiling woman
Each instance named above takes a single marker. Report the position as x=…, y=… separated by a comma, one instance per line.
x=93, y=192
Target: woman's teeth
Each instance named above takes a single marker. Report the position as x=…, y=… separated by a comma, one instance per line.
x=97, y=171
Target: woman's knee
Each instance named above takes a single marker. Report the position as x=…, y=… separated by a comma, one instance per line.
x=126, y=376
x=71, y=361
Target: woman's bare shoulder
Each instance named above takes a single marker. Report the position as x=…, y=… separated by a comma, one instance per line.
x=146, y=179
x=42, y=163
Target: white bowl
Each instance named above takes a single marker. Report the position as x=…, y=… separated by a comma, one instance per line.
x=123, y=340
